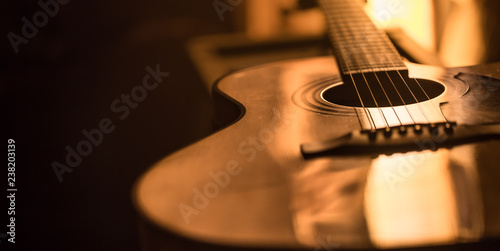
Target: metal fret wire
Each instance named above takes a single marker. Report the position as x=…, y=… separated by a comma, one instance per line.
x=390, y=56
x=364, y=77
x=409, y=89
x=389, y=50
x=387, y=74
x=355, y=59
x=378, y=80
x=423, y=90
x=372, y=122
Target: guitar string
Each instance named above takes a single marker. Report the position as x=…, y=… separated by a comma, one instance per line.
x=445, y=120
x=411, y=92
x=392, y=82
x=369, y=88
x=374, y=73
x=402, y=100
x=425, y=93
x=388, y=99
x=382, y=114
x=414, y=97
x=326, y=4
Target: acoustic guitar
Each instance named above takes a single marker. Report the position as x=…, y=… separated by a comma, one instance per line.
x=360, y=150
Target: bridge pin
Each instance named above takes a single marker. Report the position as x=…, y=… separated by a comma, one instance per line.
x=418, y=129
x=448, y=128
x=387, y=132
x=372, y=134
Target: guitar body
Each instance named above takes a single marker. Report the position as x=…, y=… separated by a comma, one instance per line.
x=250, y=185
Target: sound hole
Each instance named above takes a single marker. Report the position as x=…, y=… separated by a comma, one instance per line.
x=389, y=89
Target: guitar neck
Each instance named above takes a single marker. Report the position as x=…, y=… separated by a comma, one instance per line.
x=358, y=45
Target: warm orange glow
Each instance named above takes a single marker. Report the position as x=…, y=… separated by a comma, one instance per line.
x=414, y=17
x=410, y=200
x=262, y=19
x=462, y=39
x=265, y=19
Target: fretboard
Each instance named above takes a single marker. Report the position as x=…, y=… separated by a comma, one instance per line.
x=358, y=45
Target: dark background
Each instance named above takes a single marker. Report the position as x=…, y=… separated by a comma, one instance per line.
x=64, y=80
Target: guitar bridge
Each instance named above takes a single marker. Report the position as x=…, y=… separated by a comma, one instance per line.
x=407, y=130
x=401, y=140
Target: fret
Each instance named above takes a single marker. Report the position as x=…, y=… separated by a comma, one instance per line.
x=358, y=45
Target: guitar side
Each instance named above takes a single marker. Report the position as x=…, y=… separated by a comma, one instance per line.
x=249, y=185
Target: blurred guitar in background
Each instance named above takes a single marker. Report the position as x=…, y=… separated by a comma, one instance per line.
x=360, y=150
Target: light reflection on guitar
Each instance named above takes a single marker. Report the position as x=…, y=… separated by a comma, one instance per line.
x=362, y=150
